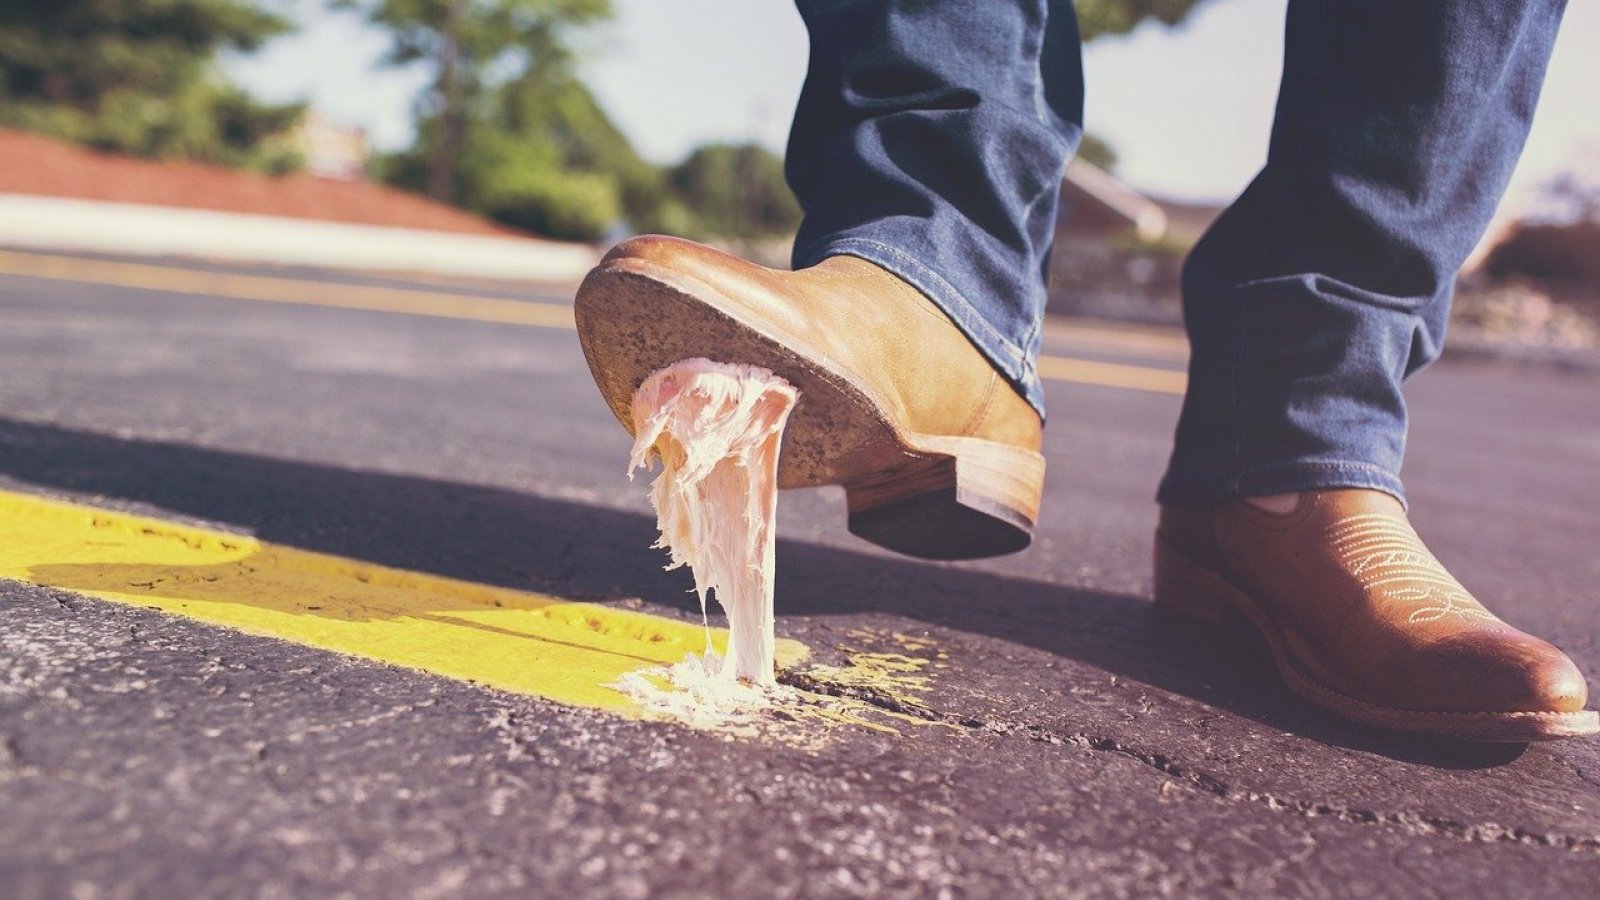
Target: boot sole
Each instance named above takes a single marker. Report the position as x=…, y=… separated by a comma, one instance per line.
x=930, y=496
x=1189, y=591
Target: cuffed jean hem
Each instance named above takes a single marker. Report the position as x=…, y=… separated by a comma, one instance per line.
x=1004, y=354
x=1206, y=489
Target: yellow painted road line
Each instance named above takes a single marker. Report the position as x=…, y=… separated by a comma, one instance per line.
x=293, y=291
x=513, y=640
x=1146, y=340
x=410, y=301
x=1088, y=371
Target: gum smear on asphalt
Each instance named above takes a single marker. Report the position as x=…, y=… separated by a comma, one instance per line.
x=715, y=430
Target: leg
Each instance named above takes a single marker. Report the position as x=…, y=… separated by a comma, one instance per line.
x=1328, y=282
x=1308, y=303
x=933, y=145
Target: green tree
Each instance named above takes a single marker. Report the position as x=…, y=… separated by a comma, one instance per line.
x=735, y=190
x=539, y=153
x=472, y=47
x=1099, y=18
x=561, y=114
x=139, y=76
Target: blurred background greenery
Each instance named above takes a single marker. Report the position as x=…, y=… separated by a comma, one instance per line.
x=505, y=126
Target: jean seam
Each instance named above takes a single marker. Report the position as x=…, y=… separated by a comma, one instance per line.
x=1033, y=338
x=1337, y=465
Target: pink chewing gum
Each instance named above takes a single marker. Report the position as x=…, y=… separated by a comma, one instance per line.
x=716, y=429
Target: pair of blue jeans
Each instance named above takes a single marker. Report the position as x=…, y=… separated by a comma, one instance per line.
x=931, y=137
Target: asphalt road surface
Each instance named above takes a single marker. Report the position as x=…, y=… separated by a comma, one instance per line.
x=1063, y=740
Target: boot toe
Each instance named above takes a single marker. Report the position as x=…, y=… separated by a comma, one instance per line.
x=1559, y=686
x=1491, y=672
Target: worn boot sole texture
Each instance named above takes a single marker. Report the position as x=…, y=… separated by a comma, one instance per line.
x=1192, y=592
x=931, y=496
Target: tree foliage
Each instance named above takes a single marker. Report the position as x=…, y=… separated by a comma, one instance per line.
x=138, y=76
x=1100, y=18
x=736, y=189
x=538, y=154
x=473, y=48
x=506, y=128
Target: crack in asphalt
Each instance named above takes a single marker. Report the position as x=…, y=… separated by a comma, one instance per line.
x=1412, y=822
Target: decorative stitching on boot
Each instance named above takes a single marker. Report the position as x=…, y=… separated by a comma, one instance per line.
x=1387, y=556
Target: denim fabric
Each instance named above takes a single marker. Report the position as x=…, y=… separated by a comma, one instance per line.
x=1328, y=282
x=931, y=136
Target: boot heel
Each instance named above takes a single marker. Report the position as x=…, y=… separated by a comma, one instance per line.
x=1186, y=589
x=965, y=499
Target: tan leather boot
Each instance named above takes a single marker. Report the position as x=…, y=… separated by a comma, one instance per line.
x=1363, y=620
x=938, y=455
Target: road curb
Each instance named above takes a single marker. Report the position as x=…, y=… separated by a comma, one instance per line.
x=72, y=225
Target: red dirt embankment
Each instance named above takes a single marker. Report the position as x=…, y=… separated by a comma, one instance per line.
x=31, y=164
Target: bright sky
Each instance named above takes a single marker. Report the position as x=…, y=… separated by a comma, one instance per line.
x=1188, y=109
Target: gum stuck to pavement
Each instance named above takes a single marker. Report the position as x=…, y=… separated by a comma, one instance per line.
x=716, y=430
